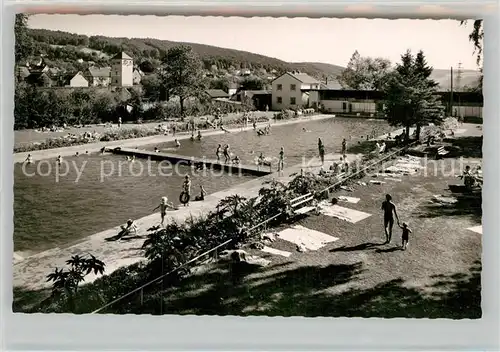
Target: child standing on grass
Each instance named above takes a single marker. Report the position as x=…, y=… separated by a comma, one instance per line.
x=405, y=236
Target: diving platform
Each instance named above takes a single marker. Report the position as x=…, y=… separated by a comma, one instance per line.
x=192, y=161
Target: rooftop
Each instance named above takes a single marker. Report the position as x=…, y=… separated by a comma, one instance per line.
x=121, y=55
x=304, y=78
x=100, y=71
x=216, y=93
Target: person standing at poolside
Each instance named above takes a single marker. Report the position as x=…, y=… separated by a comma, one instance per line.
x=344, y=146
x=389, y=209
x=120, y=122
x=164, y=205
x=227, y=154
x=217, y=152
x=281, y=160
x=186, y=189
x=321, y=150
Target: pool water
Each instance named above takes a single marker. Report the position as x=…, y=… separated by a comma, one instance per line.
x=297, y=143
x=50, y=212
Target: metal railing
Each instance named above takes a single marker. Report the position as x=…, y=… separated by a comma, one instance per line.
x=253, y=228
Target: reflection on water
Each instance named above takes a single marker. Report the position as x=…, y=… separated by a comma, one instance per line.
x=110, y=190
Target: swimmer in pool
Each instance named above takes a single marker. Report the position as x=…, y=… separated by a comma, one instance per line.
x=177, y=144
x=198, y=137
x=157, y=150
x=77, y=154
x=192, y=136
x=29, y=159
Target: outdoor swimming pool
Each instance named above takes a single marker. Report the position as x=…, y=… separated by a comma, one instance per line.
x=296, y=142
x=49, y=213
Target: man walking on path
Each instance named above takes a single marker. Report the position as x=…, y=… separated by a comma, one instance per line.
x=389, y=208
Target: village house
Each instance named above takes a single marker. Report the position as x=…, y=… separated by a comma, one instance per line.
x=289, y=91
x=217, y=94
x=77, y=80
x=137, y=76
x=260, y=99
x=22, y=73
x=232, y=89
x=98, y=76
x=40, y=79
x=122, y=70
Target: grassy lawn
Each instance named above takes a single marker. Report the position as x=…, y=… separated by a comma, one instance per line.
x=23, y=137
x=356, y=276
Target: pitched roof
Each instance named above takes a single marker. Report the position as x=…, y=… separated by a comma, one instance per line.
x=121, y=55
x=23, y=71
x=304, y=78
x=69, y=76
x=38, y=77
x=331, y=85
x=216, y=93
x=100, y=71
x=256, y=92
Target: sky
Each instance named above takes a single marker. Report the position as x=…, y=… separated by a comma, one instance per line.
x=445, y=43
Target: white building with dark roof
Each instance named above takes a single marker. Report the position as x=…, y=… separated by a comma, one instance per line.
x=98, y=76
x=289, y=91
x=122, y=70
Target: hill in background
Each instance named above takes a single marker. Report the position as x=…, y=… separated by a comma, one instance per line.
x=75, y=52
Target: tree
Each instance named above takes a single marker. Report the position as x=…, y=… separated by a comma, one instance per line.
x=66, y=281
x=24, y=42
x=410, y=97
x=151, y=86
x=424, y=71
x=364, y=73
x=252, y=83
x=147, y=66
x=220, y=83
x=181, y=73
x=476, y=37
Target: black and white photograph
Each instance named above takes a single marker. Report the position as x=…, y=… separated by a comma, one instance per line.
x=230, y=166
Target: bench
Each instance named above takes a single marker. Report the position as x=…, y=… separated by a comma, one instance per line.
x=300, y=205
x=441, y=152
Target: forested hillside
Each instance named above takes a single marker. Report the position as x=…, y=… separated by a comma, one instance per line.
x=63, y=49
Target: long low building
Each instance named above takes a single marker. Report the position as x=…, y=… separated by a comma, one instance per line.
x=465, y=104
x=294, y=90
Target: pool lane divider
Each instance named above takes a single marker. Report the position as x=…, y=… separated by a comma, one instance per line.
x=189, y=161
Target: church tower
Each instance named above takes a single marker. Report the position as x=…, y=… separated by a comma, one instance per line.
x=122, y=70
